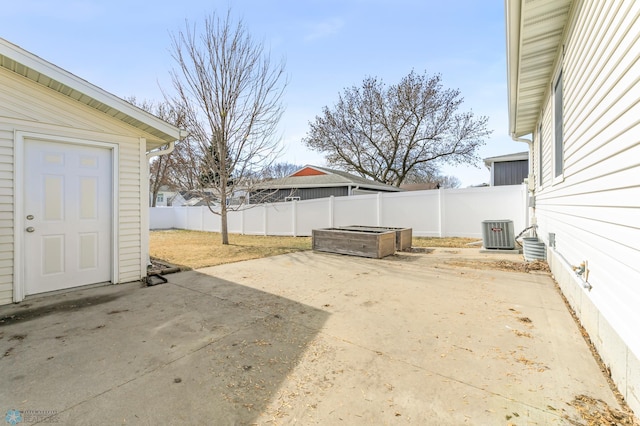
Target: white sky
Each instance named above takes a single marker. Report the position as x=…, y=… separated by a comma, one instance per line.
x=122, y=46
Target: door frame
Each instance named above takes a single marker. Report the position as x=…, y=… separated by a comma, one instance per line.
x=19, y=198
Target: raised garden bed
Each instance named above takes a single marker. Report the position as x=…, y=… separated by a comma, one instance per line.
x=374, y=243
x=403, y=235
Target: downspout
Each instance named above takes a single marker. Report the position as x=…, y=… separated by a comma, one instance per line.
x=155, y=153
x=532, y=221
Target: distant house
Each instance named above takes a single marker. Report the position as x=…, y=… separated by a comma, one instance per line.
x=510, y=169
x=74, y=178
x=190, y=199
x=316, y=182
x=164, y=196
x=574, y=96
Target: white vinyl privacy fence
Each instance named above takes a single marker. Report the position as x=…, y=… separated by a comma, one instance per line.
x=435, y=213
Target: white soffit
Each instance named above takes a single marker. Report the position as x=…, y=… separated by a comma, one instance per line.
x=534, y=38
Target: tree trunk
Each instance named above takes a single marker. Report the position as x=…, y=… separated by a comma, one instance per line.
x=223, y=222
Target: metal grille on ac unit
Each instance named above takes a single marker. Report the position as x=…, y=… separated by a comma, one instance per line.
x=498, y=234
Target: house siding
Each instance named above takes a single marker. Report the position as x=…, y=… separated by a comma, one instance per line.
x=303, y=193
x=594, y=209
x=6, y=216
x=510, y=172
x=29, y=107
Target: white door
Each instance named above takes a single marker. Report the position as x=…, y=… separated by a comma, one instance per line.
x=67, y=209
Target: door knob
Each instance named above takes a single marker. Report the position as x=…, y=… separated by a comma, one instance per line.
x=31, y=229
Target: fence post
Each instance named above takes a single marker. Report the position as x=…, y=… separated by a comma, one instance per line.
x=264, y=220
x=441, y=212
x=294, y=219
x=331, y=203
x=242, y=221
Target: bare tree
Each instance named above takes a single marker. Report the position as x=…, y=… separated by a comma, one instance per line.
x=231, y=92
x=449, y=182
x=437, y=180
x=163, y=169
x=388, y=133
x=279, y=170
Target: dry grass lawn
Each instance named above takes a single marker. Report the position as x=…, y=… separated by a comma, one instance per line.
x=194, y=249
x=449, y=242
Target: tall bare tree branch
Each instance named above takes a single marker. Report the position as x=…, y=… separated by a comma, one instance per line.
x=231, y=92
x=391, y=133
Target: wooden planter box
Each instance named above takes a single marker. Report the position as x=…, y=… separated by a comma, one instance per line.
x=403, y=235
x=365, y=243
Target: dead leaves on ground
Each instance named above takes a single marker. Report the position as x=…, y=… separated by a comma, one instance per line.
x=502, y=265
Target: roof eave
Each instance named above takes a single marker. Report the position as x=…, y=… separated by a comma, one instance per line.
x=512, y=22
x=534, y=35
x=68, y=84
x=267, y=187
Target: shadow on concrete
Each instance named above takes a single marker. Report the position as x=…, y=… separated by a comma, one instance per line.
x=197, y=350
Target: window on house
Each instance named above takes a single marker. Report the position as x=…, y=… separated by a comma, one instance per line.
x=558, y=151
x=292, y=199
x=160, y=198
x=540, y=162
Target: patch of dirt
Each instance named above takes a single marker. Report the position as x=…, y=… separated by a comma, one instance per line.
x=522, y=334
x=502, y=265
x=597, y=412
x=17, y=337
x=628, y=413
x=421, y=250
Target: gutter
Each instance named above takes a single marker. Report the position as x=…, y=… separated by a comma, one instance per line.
x=159, y=152
x=512, y=23
x=168, y=150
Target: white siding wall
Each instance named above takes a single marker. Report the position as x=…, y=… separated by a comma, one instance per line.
x=26, y=106
x=595, y=210
x=6, y=215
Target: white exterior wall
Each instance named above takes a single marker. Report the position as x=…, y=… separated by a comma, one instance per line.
x=594, y=210
x=28, y=107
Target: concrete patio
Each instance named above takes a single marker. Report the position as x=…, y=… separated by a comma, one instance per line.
x=305, y=338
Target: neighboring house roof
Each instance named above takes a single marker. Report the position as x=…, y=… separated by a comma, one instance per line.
x=420, y=186
x=534, y=35
x=518, y=156
x=321, y=177
x=55, y=78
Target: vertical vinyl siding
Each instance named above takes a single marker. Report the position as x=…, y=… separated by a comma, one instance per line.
x=595, y=210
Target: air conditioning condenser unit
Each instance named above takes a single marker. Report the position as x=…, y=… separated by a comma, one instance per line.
x=498, y=234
